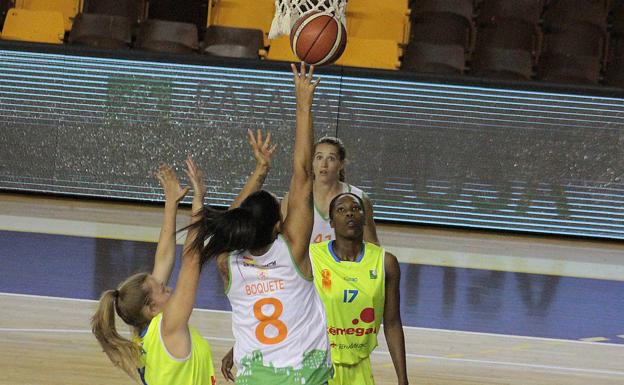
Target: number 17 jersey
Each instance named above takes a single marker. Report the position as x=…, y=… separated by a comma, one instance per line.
x=278, y=320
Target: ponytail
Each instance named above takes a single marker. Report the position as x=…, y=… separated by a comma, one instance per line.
x=225, y=230
x=128, y=303
x=249, y=226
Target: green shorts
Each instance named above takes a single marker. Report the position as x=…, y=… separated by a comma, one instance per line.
x=360, y=374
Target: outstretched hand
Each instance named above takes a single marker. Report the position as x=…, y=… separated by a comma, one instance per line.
x=196, y=177
x=304, y=84
x=262, y=149
x=171, y=185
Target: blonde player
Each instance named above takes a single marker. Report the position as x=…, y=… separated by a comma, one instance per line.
x=164, y=349
x=359, y=285
x=329, y=180
x=277, y=316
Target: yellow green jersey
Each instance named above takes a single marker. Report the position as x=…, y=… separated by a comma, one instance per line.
x=353, y=294
x=162, y=368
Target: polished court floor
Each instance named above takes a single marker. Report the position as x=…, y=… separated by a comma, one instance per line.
x=478, y=308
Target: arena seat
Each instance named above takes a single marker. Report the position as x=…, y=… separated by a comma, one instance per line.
x=460, y=8
x=502, y=63
x=69, y=8
x=561, y=13
x=494, y=11
x=443, y=29
x=134, y=9
x=614, y=71
x=256, y=14
x=167, y=36
x=580, y=39
x=233, y=42
x=34, y=26
x=372, y=19
x=569, y=69
x=434, y=58
x=101, y=31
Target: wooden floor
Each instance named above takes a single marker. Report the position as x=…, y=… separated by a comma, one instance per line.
x=45, y=340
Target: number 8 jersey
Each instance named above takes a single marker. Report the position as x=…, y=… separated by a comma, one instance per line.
x=278, y=320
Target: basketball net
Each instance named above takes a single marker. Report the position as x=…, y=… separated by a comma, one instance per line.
x=288, y=11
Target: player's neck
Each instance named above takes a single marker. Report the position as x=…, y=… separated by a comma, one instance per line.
x=348, y=249
x=326, y=190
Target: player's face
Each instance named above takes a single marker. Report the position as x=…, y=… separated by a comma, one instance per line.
x=159, y=294
x=326, y=162
x=348, y=218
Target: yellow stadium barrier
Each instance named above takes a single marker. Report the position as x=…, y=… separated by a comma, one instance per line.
x=34, y=26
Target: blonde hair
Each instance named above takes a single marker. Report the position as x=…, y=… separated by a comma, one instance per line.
x=127, y=301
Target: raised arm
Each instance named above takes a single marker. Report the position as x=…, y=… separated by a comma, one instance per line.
x=298, y=225
x=165, y=251
x=178, y=309
x=263, y=153
x=393, y=327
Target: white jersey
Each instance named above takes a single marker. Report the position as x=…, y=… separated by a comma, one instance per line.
x=322, y=231
x=278, y=320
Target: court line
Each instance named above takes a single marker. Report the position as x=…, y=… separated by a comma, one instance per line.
x=411, y=255
x=376, y=352
x=415, y=328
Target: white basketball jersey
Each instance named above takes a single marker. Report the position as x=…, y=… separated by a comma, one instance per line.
x=278, y=320
x=322, y=231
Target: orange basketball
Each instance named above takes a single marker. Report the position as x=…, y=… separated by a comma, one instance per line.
x=318, y=38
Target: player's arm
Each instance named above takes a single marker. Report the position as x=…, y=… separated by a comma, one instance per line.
x=284, y=207
x=299, y=222
x=263, y=153
x=393, y=327
x=174, y=327
x=164, y=259
x=370, y=230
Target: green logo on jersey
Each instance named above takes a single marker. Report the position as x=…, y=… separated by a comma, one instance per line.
x=373, y=274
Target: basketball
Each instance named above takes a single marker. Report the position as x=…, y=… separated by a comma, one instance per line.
x=318, y=38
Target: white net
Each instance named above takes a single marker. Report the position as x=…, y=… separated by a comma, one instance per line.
x=288, y=11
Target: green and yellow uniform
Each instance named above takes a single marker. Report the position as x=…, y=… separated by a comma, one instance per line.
x=162, y=368
x=353, y=294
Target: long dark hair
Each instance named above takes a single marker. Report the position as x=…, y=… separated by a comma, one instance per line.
x=342, y=151
x=249, y=226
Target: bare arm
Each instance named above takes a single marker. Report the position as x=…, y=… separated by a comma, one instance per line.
x=164, y=259
x=298, y=225
x=263, y=153
x=370, y=230
x=284, y=207
x=393, y=327
x=178, y=309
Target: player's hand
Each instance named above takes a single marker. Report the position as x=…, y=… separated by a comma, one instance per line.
x=304, y=85
x=262, y=149
x=169, y=181
x=226, y=365
x=196, y=177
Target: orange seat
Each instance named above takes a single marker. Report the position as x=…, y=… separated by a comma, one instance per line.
x=34, y=26
x=69, y=8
